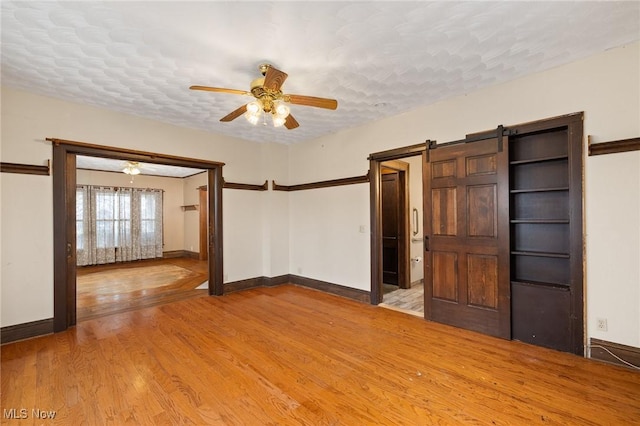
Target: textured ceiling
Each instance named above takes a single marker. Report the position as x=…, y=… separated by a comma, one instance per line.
x=149, y=169
x=376, y=58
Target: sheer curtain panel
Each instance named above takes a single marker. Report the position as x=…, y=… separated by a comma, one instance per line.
x=115, y=224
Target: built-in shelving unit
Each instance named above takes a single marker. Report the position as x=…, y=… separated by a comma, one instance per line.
x=540, y=217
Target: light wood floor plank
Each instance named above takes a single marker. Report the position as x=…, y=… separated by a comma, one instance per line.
x=293, y=356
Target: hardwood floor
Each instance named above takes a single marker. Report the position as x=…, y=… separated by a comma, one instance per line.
x=120, y=287
x=288, y=355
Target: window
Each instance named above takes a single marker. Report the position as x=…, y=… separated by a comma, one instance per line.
x=117, y=224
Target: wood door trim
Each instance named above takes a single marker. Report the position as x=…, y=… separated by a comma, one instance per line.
x=64, y=172
x=375, y=210
x=89, y=149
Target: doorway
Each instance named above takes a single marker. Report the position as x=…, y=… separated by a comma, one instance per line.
x=396, y=195
x=394, y=176
x=64, y=189
x=503, y=231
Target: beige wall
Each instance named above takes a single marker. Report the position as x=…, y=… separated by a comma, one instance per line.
x=325, y=243
x=190, y=191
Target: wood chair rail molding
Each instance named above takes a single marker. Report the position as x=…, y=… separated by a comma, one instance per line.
x=623, y=145
x=322, y=184
x=246, y=186
x=26, y=169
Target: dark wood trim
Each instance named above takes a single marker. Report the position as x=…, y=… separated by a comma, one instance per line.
x=629, y=354
x=397, y=153
x=277, y=280
x=216, y=274
x=133, y=155
x=64, y=172
x=322, y=184
x=375, y=209
x=624, y=145
x=375, y=214
x=174, y=254
x=27, y=330
x=256, y=282
x=243, y=284
x=338, y=290
x=247, y=186
x=26, y=169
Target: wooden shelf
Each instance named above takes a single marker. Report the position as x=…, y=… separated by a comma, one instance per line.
x=540, y=221
x=541, y=254
x=539, y=160
x=520, y=191
x=558, y=286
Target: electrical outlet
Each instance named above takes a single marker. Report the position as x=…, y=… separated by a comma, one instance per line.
x=362, y=229
x=601, y=324
x=299, y=270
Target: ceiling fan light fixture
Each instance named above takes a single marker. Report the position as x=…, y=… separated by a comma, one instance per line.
x=131, y=168
x=254, y=111
x=282, y=110
x=254, y=107
x=278, y=121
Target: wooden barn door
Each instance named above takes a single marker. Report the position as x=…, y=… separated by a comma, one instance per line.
x=467, y=236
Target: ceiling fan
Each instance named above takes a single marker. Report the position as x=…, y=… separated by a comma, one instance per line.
x=269, y=99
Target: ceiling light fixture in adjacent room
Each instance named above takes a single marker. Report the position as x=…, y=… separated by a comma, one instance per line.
x=131, y=168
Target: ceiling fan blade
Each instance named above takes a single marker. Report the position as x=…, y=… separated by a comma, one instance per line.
x=312, y=101
x=219, y=89
x=235, y=114
x=274, y=79
x=290, y=122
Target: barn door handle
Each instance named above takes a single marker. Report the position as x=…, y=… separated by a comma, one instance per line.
x=426, y=243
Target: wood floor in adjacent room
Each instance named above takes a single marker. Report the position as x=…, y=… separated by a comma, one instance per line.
x=288, y=355
x=120, y=287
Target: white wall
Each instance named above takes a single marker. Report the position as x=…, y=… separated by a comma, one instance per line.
x=172, y=199
x=27, y=234
x=606, y=87
x=415, y=201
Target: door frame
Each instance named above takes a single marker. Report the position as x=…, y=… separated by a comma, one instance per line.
x=64, y=235
x=403, y=267
x=375, y=210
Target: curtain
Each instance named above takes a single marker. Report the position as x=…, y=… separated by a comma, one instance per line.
x=117, y=224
